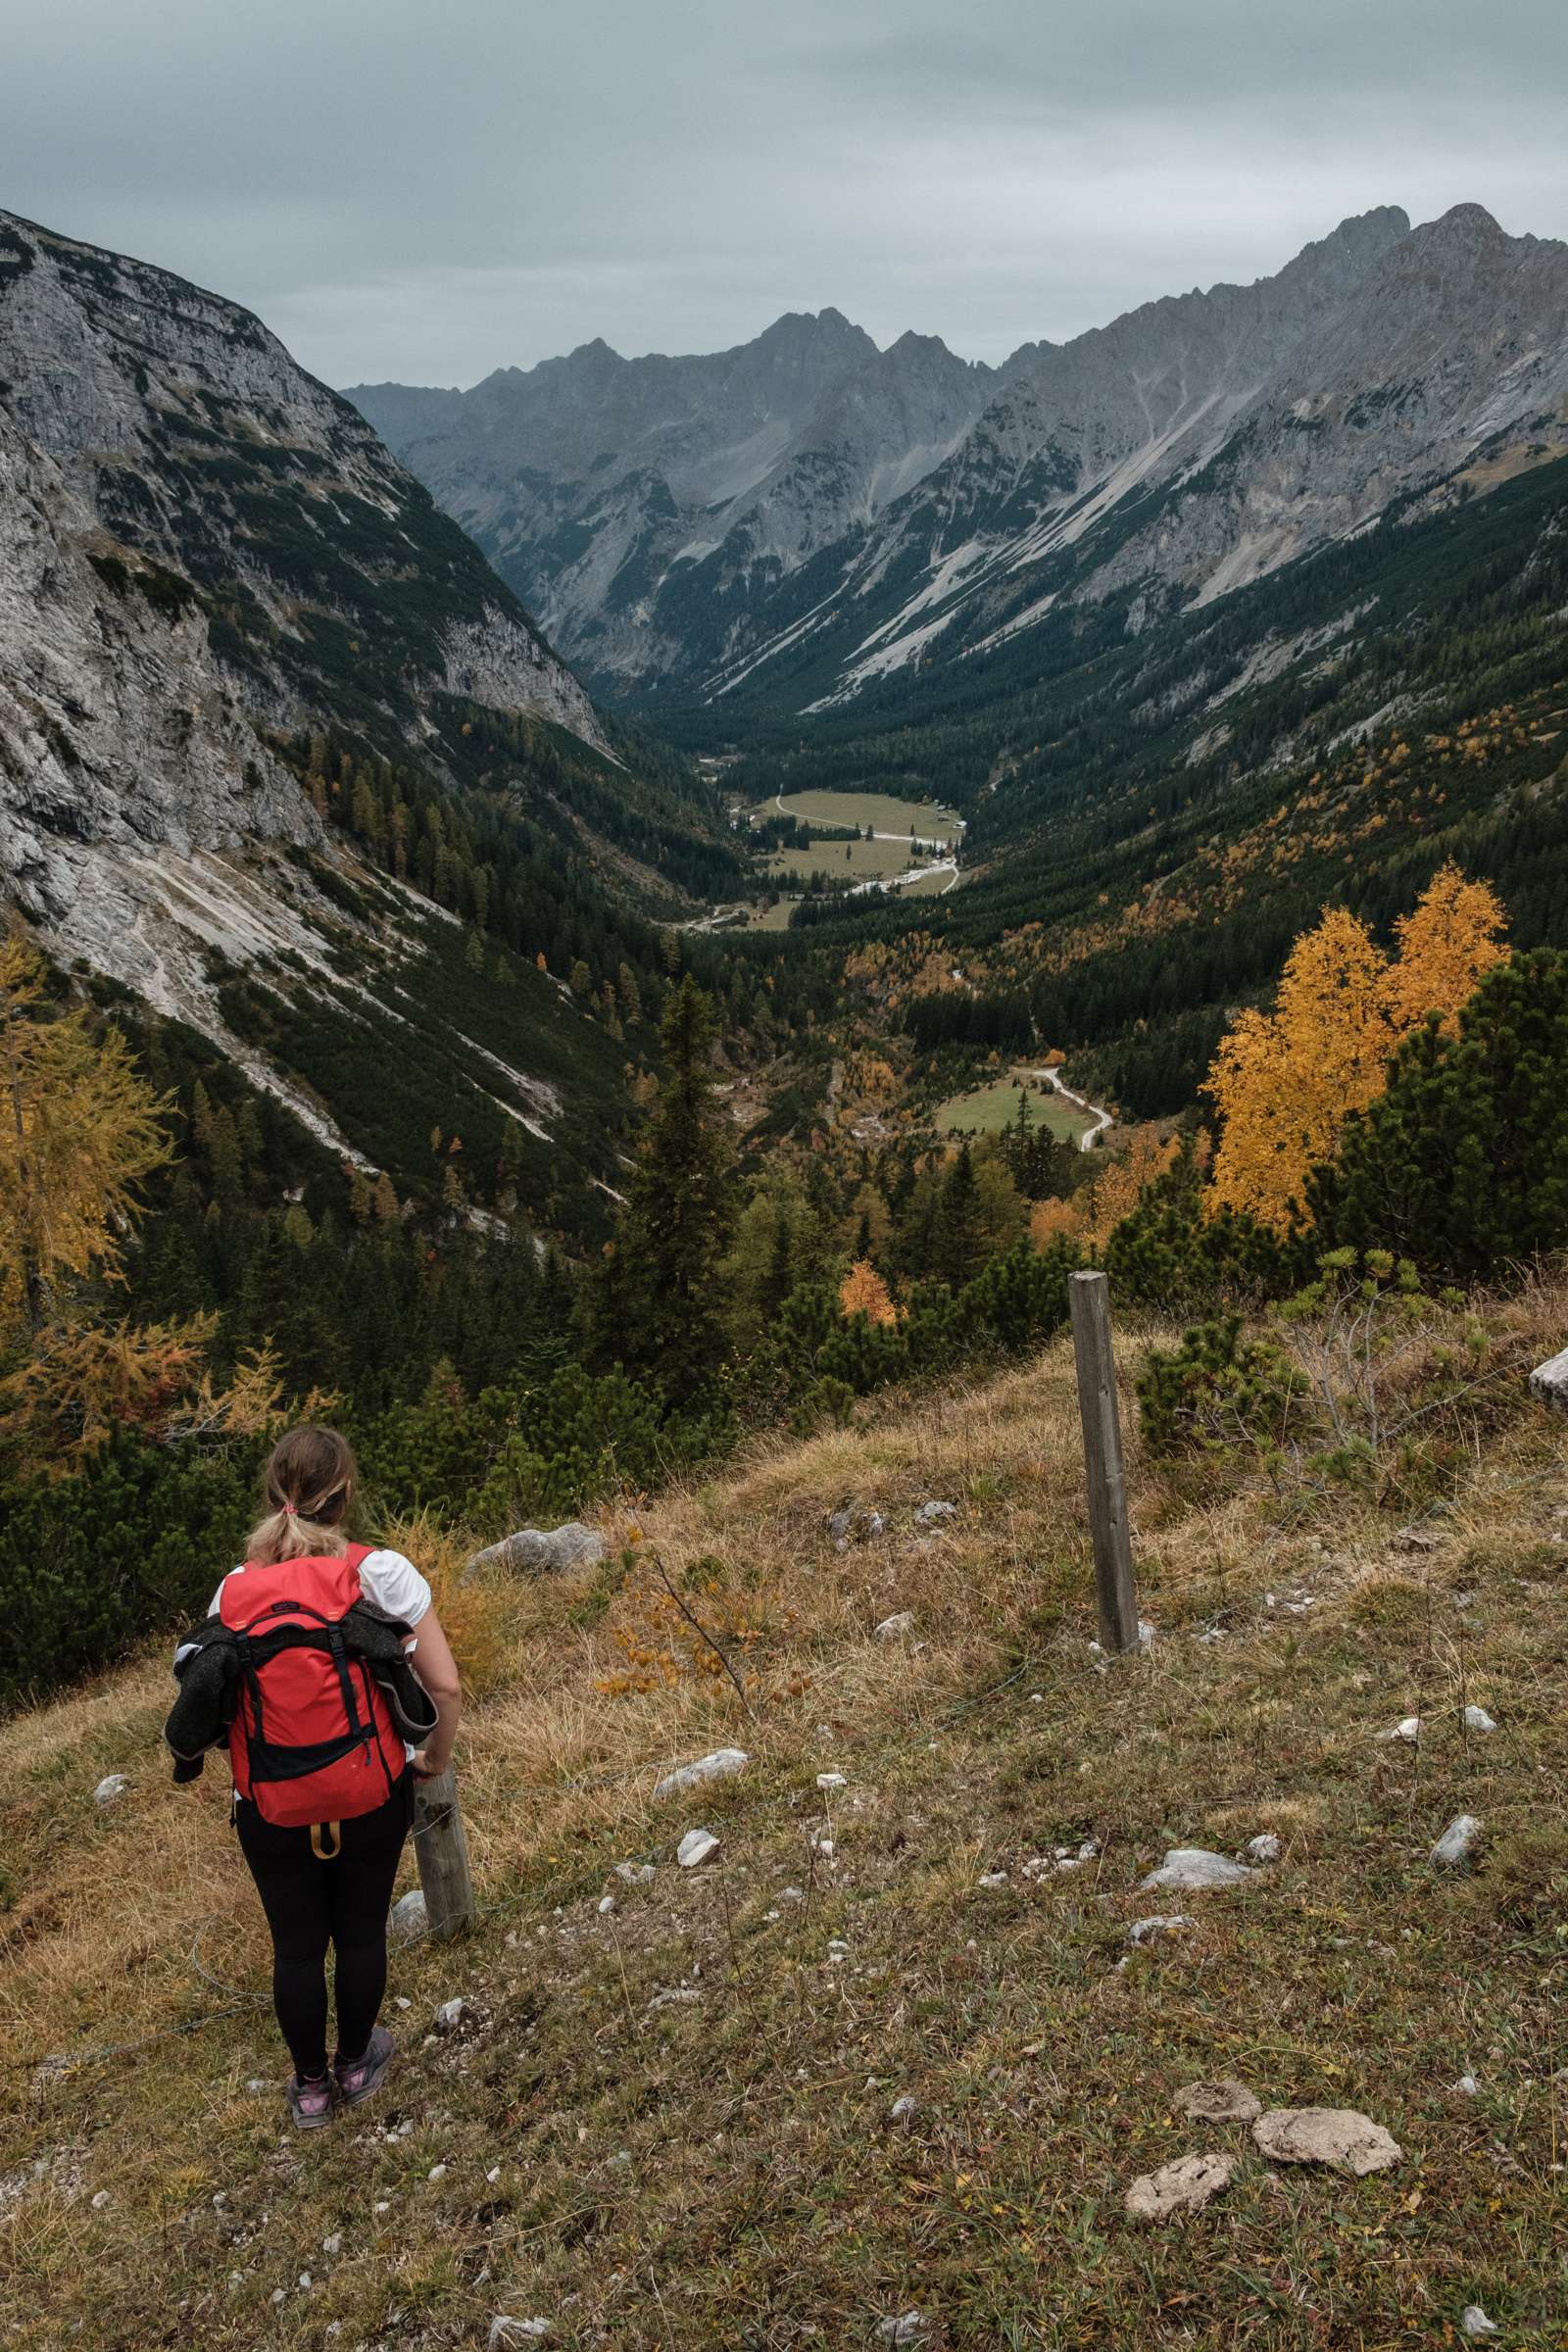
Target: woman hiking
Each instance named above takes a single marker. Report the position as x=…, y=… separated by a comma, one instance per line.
x=316, y=1660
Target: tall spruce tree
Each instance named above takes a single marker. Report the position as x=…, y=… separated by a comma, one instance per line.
x=958, y=1246
x=660, y=1308
x=1463, y=1164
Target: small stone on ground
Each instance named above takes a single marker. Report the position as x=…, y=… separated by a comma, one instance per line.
x=408, y=1919
x=697, y=1847
x=1163, y=1922
x=1476, y=2321
x=542, y=1551
x=721, y=1765
x=908, y=2327
x=1196, y=1868
x=1458, y=1843
x=113, y=1784
x=896, y=1629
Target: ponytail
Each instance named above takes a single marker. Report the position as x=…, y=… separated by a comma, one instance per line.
x=306, y=1491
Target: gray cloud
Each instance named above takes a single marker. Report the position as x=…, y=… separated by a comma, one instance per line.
x=407, y=190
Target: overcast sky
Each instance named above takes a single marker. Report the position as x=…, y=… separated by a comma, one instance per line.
x=427, y=189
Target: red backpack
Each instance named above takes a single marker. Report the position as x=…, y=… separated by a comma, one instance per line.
x=313, y=1739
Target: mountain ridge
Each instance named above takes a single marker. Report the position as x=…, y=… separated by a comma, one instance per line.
x=979, y=516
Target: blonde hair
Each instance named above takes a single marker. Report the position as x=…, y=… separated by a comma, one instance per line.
x=307, y=1487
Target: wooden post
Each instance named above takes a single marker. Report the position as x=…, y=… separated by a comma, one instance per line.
x=441, y=1850
x=1089, y=1295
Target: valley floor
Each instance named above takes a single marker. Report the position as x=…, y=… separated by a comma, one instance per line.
x=668, y=2124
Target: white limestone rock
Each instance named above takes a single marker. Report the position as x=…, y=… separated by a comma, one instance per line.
x=1548, y=1381
x=1458, y=1845
x=542, y=1551
x=675, y=1996
x=909, y=2327
x=721, y=1765
x=697, y=1847
x=1194, y=1870
x=1475, y=1718
x=408, y=1919
x=1160, y=1923
x=112, y=1787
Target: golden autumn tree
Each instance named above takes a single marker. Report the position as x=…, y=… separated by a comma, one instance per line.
x=1093, y=1213
x=1285, y=1082
x=79, y=1130
x=1449, y=942
x=863, y=1292
x=78, y=1133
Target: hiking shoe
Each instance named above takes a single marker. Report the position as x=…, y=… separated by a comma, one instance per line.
x=366, y=2075
x=310, y=2102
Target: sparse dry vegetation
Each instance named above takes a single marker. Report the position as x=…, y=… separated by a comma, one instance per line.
x=718, y=2171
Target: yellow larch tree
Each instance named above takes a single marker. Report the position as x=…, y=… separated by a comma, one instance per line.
x=78, y=1131
x=1447, y=944
x=1285, y=1082
x=863, y=1292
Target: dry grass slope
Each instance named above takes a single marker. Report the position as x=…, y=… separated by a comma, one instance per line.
x=718, y=2171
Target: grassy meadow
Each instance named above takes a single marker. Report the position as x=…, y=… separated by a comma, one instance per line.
x=669, y=2123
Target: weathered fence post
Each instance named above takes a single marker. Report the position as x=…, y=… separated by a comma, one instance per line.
x=441, y=1850
x=1089, y=1295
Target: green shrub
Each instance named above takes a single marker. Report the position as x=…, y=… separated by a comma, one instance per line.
x=130, y=1545
x=1216, y=1388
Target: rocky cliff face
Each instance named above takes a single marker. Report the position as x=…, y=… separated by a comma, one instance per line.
x=203, y=549
x=192, y=442
x=1189, y=447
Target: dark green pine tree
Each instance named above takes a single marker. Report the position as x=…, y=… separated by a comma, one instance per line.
x=659, y=1303
x=957, y=1247
x=1463, y=1164
x=779, y=1280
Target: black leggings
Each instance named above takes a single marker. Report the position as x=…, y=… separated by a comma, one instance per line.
x=310, y=1904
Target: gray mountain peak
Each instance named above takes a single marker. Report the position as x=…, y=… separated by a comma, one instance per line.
x=806, y=492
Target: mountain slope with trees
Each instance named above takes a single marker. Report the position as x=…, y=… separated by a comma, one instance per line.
x=284, y=760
